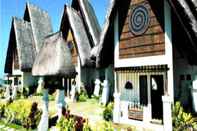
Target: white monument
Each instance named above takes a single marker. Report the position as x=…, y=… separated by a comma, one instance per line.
x=73, y=91
x=194, y=94
x=105, y=93
x=7, y=93
x=97, y=87
x=44, y=124
x=14, y=92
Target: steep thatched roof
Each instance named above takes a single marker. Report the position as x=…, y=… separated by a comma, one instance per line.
x=89, y=18
x=54, y=58
x=21, y=39
x=40, y=22
x=72, y=20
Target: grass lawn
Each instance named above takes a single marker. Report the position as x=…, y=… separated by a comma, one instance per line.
x=6, y=127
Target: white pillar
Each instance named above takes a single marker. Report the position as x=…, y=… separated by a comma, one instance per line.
x=60, y=101
x=97, y=87
x=147, y=114
x=7, y=93
x=169, y=49
x=194, y=93
x=167, y=113
x=105, y=93
x=14, y=92
x=44, y=122
x=116, y=111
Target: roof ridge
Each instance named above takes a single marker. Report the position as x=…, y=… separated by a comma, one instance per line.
x=30, y=5
x=26, y=23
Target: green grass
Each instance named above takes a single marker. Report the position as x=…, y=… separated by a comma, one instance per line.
x=11, y=126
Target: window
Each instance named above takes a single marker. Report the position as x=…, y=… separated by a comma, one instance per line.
x=143, y=90
x=16, y=81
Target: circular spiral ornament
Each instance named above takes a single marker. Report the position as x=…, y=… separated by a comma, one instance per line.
x=139, y=19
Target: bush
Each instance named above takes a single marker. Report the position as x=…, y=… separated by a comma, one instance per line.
x=82, y=97
x=107, y=126
x=34, y=117
x=108, y=112
x=181, y=120
x=86, y=126
x=70, y=122
x=66, y=124
x=24, y=113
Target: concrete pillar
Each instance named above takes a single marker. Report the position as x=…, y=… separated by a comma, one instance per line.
x=97, y=87
x=105, y=93
x=44, y=122
x=194, y=93
x=147, y=114
x=167, y=113
x=60, y=101
x=14, y=92
x=7, y=93
x=116, y=111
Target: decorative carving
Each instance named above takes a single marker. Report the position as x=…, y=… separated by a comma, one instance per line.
x=139, y=19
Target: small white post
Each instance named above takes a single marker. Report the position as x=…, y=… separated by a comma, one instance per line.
x=44, y=122
x=73, y=91
x=116, y=111
x=14, y=92
x=105, y=93
x=194, y=93
x=167, y=113
x=97, y=87
x=60, y=101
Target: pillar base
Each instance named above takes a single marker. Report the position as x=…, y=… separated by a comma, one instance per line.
x=167, y=113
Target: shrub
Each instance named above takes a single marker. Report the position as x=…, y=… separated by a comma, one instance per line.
x=70, y=122
x=51, y=97
x=108, y=112
x=66, y=124
x=107, y=126
x=24, y=113
x=82, y=96
x=86, y=126
x=181, y=120
x=34, y=117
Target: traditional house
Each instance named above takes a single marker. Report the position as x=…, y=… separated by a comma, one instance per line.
x=81, y=29
x=56, y=76
x=26, y=38
x=151, y=45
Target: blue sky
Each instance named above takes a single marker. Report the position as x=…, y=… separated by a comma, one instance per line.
x=9, y=8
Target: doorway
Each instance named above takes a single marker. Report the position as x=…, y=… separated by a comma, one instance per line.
x=157, y=91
